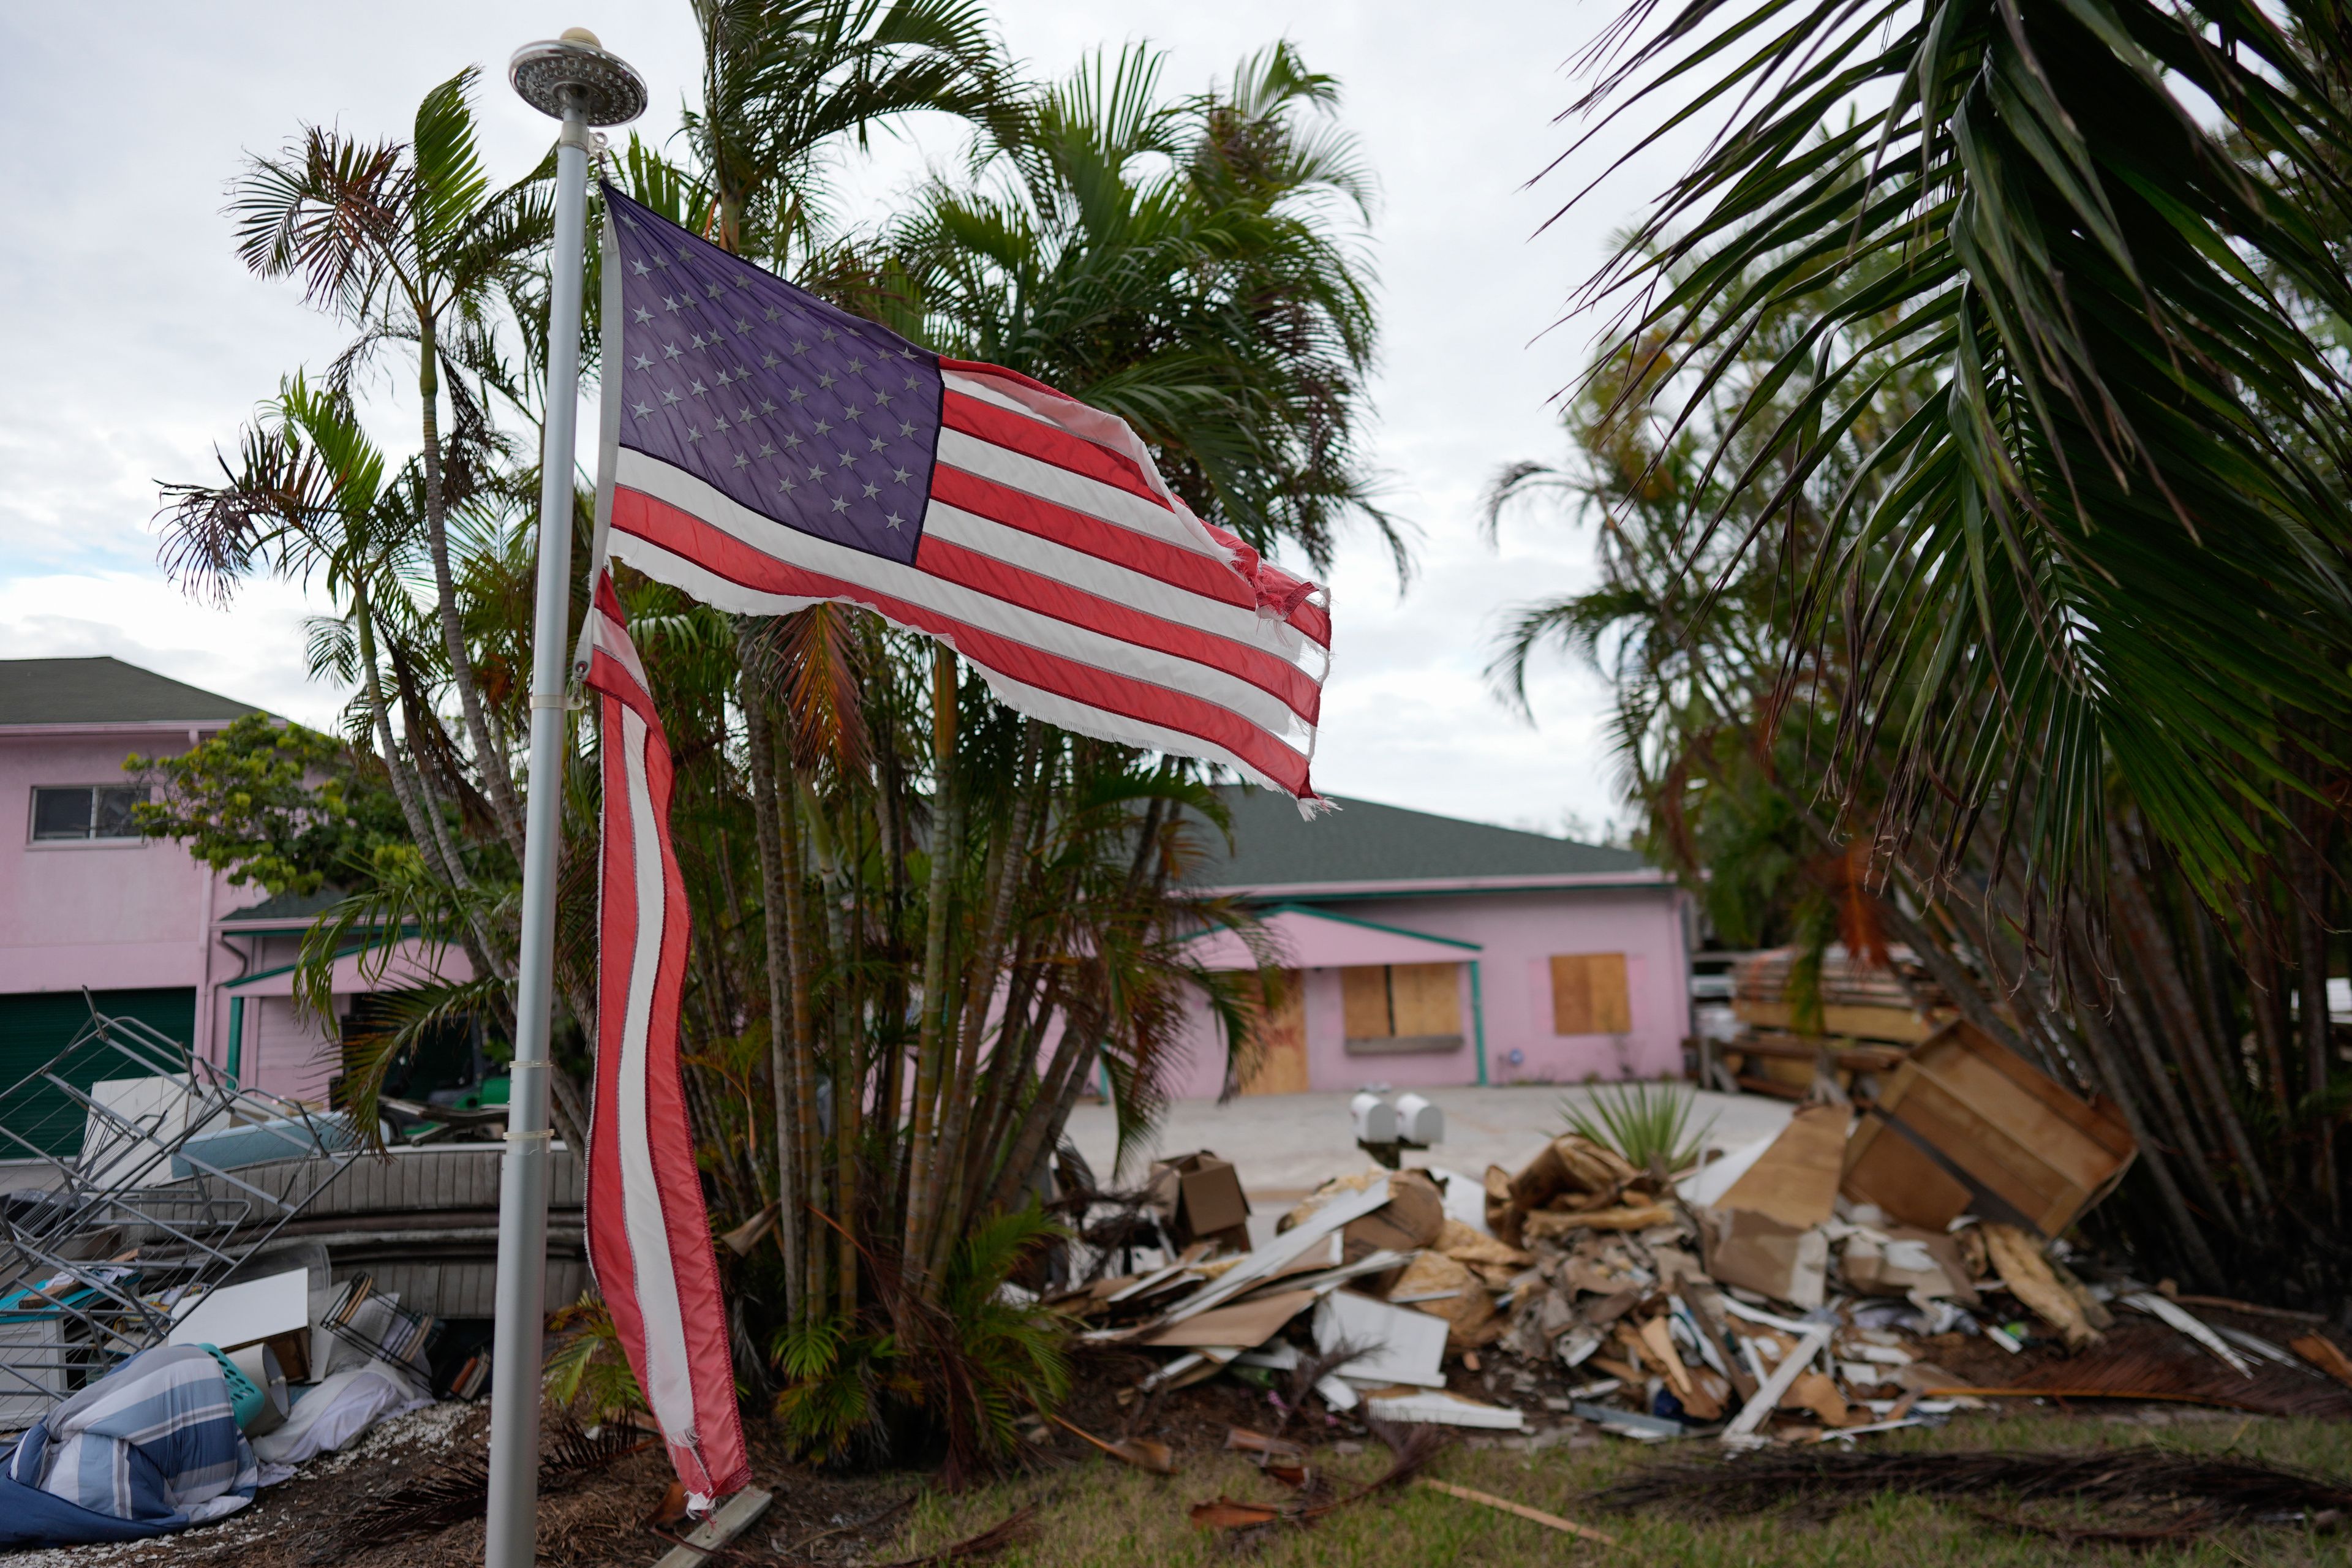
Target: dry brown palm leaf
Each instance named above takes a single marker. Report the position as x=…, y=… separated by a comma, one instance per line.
x=1142, y=1453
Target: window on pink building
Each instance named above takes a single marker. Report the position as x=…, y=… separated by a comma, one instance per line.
x=65, y=813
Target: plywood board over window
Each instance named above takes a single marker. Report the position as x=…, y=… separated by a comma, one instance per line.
x=1401, y=1008
x=1589, y=995
x=1281, y=1066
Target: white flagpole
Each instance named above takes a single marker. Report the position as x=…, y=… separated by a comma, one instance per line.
x=572, y=79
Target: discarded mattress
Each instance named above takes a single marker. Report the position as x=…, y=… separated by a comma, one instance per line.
x=337, y=1410
x=152, y=1448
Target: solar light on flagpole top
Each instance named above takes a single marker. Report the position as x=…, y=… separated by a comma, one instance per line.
x=574, y=80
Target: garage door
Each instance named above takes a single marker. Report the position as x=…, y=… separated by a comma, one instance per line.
x=35, y=1027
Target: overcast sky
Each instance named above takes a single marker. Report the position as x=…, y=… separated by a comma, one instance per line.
x=136, y=342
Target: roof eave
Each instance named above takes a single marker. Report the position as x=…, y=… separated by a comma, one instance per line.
x=1644, y=877
x=100, y=728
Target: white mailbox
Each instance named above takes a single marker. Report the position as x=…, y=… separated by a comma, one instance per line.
x=1419, y=1121
x=1376, y=1119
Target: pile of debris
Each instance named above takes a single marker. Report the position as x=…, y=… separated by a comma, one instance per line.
x=177, y=1236
x=1840, y=1277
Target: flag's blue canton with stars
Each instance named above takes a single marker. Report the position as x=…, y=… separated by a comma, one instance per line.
x=794, y=408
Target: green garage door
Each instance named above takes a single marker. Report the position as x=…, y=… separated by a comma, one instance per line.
x=35, y=1027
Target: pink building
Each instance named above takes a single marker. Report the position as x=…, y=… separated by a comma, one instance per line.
x=86, y=903
x=1424, y=950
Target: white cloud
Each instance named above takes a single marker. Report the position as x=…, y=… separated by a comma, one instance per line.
x=136, y=342
x=251, y=651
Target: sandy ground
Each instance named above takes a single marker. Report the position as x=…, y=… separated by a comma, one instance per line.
x=1285, y=1145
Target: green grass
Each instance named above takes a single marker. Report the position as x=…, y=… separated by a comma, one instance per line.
x=1097, y=1512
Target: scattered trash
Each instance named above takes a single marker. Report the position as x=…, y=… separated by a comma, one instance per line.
x=2156, y=1306
x=1199, y=1197
x=1767, y=1298
x=1410, y=1450
x=1437, y=1407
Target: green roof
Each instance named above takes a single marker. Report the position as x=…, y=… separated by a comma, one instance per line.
x=104, y=691
x=286, y=908
x=1366, y=842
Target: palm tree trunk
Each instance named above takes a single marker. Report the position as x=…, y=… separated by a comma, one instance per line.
x=1009, y=871
x=2109, y=1064
x=820, y=1242
x=947, y=845
x=2308, y=867
x=783, y=1084
x=405, y=786
x=490, y=758
x=2266, y=1000
x=2159, y=962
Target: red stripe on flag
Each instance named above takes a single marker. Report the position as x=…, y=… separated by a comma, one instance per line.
x=640, y=1102
x=982, y=573
x=680, y=533
x=1155, y=558
x=1048, y=443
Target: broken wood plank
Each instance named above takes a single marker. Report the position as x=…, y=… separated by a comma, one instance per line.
x=732, y=1518
x=1549, y=1521
x=1768, y=1395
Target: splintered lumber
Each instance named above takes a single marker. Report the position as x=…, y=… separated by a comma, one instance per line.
x=732, y=1519
x=1265, y=1262
x=1549, y=1520
x=1767, y=1394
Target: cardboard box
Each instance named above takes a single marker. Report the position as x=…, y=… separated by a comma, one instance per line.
x=1199, y=1197
x=1795, y=1180
x=1968, y=1126
x=1786, y=1262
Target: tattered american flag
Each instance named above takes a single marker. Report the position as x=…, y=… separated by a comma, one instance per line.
x=649, y=1231
x=775, y=451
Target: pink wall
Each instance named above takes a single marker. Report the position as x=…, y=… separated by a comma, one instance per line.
x=109, y=913
x=126, y=914
x=1518, y=933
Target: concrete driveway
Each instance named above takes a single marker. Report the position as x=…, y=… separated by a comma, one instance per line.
x=1285, y=1145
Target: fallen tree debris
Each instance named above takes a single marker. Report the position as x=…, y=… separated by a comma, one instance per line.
x=987, y=1543
x=2321, y=1353
x=1815, y=1481
x=1410, y=1449
x=1142, y=1453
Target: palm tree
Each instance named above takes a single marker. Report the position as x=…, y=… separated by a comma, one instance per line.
x=2106, y=231
x=1196, y=266
x=2177, y=1012
x=786, y=82
x=409, y=242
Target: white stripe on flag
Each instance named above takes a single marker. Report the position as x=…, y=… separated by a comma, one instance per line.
x=1077, y=645
x=1123, y=508
x=670, y=1388
x=1124, y=585
x=1079, y=718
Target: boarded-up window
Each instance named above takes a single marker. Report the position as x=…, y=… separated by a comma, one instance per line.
x=1401, y=1007
x=1588, y=995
